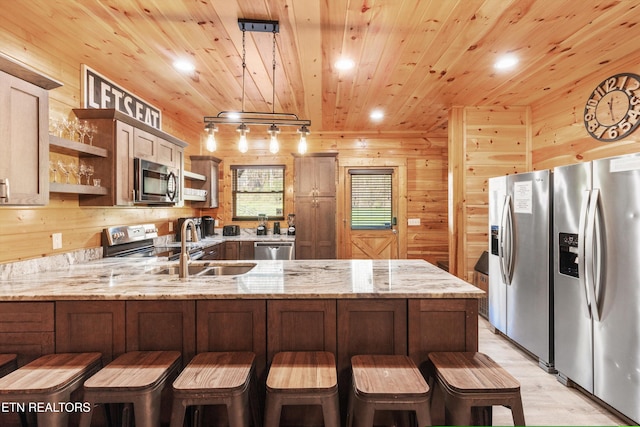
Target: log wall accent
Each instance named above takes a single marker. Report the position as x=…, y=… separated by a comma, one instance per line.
x=483, y=142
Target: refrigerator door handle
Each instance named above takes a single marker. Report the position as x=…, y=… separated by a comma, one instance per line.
x=505, y=238
x=582, y=233
x=593, y=253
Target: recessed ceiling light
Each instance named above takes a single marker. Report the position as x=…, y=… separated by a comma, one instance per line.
x=376, y=115
x=344, y=64
x=506, y=62
x=184, y=65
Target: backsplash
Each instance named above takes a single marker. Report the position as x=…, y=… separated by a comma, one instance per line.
x=54, y=262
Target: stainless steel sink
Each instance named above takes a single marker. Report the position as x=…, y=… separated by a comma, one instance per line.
x=212, y=269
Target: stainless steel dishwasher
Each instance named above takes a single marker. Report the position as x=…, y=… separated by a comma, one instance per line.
x=274, y=250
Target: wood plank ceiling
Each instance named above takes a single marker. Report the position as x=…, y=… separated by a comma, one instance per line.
x=414, y=58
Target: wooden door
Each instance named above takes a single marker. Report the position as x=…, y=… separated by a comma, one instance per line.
x=370, y=243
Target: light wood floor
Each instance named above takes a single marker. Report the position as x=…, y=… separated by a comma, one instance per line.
x=545, y=400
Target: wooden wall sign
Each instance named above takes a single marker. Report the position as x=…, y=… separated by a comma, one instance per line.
x=99, y=92
x=612, y=111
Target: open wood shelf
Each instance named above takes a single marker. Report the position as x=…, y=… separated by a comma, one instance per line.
x=194, y=176
x=56, y=187
x=194, y=198
x=65, y=146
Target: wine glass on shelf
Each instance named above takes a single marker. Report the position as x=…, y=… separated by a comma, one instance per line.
x=73, y=168
x=82, y=171
x=63, y=170
x=53, y=168
x=89, y=174
x=93, y=129
x=83, y=128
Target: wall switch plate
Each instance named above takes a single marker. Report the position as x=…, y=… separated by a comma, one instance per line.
x=414, y=221
x=170, y=226
x=57, y=240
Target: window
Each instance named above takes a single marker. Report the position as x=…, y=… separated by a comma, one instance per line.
x=371, y=199
x=258, y=190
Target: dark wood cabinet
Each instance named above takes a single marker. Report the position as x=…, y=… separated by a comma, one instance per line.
x=315, y=206
x=161, y=325
x=301, y=325
x=238, y=250
x=27, y=329
x=214, y=252
x=209, y=168
x=85, y=326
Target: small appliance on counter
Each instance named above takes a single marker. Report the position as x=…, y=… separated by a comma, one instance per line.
x=291, y=221
x=262, y=225
x=197, y=221
x=231, y=230
x=276, y=227
x=208, y=226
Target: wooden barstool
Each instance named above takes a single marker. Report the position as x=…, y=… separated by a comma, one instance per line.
x=137, y=377
x=216, y=379
x=8, y=363
x=387, y=383
x=302, y=378
x=49, y=381
x=469, y=379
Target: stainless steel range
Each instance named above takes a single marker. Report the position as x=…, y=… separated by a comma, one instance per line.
x=137, y=241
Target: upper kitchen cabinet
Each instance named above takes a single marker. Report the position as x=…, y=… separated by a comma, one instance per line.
x=315, y=175
x=125, y=139
x=207, y=167
x=24, y=127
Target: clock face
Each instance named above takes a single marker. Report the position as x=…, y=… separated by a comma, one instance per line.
x=613, y=109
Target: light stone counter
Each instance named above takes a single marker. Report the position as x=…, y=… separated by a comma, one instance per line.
x=135, y=279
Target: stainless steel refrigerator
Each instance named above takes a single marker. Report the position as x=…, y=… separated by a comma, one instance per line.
x=596, y=236
x=520, y=275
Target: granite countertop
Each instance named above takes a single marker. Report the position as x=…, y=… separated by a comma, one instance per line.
x=246, y=235
x=137, y=279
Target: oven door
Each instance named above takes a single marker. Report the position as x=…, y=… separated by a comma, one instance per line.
x=154, y=183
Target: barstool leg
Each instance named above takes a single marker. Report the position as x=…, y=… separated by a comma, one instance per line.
x=331, y=411
x=178, y=411
x=423, y=415
x=273, y=408
x=517, y=412
x=238, y=411
x=146, y=409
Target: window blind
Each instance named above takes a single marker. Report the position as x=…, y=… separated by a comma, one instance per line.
x=371, y=193
x=258, y=190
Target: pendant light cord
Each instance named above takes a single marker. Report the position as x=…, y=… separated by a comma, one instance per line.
x=273, y=86
x=244, y=64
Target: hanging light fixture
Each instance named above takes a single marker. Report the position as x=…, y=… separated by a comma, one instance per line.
x=211, y=137
x=244, y=118
x=302, y=145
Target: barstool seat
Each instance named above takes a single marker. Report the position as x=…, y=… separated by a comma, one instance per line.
x=216, y=379
x=49, y=381
x=8, y=363
x=390, y=383
x=470, y=379
x=302, y=378
x=137, y=377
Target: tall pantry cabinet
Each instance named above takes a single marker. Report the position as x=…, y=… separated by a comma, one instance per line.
x=315, y=206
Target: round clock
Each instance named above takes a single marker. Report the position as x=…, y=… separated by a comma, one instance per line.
x=613, y=109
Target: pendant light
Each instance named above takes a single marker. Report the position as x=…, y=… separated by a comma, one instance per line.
x=211, y=137
x=244, y=118
x=302, y=145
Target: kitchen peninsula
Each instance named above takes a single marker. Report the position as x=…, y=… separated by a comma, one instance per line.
x=347, y=307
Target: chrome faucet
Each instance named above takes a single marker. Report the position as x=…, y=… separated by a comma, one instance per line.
x=183, y=269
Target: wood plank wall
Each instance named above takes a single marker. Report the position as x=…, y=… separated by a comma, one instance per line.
x=483, y=142
x=426, y=159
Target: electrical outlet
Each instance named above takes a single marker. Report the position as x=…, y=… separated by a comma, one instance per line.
x=414, y=221
x=216, y=222
x=57, y=240
x=170, y=226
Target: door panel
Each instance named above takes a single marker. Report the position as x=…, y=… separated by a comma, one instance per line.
x=371, y=244
x=572, y=324
x=616, y=338
x=497, y=287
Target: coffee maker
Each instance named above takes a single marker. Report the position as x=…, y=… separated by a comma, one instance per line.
x=198, y=225
x=208, y=226
x=291, y=221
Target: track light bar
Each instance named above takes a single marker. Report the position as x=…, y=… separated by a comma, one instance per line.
x=256, y=118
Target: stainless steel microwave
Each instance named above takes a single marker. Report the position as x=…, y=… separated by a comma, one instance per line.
x=155, y=183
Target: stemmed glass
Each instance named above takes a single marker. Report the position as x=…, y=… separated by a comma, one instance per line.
x=74, y=170
x=82, y=171
x=89, y=174
x=92, y=129
x=62, y=169
x=83, y=129
x=54, y=168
